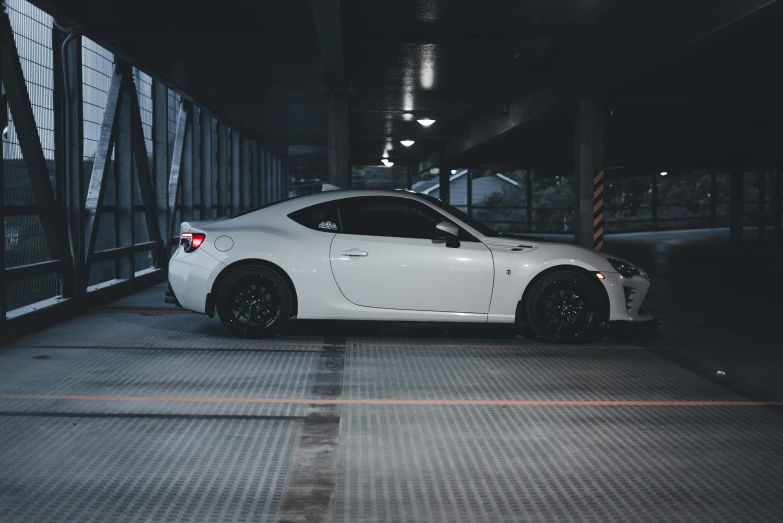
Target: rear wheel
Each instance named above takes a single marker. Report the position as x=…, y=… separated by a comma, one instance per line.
x=565, y=306
x=254, y=302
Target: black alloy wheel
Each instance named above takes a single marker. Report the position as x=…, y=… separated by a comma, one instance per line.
x=565, y=306
x=254, y=302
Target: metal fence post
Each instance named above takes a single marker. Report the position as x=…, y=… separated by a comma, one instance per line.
x=777, y=207
x=529, y=200
x=187, y=208
x=69, y=151
x=762, y=222
x=160, y=155
x=713, y=200
x=235, y=177
x=123, y=173
x=654, y=201
x=245, y=174
x=222, y=170
x=3, y=123
x=206, y=165
x=737, y=208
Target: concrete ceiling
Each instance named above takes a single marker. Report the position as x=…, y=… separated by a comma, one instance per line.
x=497, y=76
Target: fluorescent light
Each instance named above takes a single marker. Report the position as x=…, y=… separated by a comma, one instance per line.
x=664, y=173
x=426, y=122
x=386, y=162
x=453, y=171
x=407, y=143
x=407, y=116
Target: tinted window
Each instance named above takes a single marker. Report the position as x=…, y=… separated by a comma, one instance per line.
x=389, y=216
x=322, y=217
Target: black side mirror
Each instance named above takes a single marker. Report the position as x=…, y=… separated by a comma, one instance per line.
x=451, y=232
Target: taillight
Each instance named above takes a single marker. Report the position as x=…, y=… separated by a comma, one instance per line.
x=191, y=240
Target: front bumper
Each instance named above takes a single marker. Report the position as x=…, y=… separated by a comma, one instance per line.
x=626, y=298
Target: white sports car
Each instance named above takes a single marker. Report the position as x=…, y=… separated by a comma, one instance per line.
x=394, y=255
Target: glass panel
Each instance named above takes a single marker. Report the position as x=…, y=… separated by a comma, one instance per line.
x=553, y=204
x=497, y=198
x=377, y=177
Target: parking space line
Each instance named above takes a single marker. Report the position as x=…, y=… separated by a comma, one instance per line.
x=323, y=401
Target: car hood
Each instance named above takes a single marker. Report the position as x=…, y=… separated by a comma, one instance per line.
x=510, y=244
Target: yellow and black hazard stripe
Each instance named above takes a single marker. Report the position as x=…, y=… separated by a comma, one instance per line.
x=598, y=211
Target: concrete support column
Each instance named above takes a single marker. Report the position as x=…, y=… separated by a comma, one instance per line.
x=736, y=211
x=339, y=150
x=589, y=165
x=445, y=176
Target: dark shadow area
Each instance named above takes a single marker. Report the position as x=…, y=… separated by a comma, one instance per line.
x=719, y=305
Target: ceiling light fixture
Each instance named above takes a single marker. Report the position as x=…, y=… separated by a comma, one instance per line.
x=386, y=162
x=664, y=173
x=407, y=143
x=426, y=122
x=407, y=116
x=453, y=171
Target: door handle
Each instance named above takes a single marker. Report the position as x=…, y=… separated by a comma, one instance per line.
x=353, y=252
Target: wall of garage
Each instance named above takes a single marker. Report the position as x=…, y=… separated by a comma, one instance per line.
x=100, y=163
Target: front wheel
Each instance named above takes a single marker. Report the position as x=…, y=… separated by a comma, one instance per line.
x=254, y=302
x=565, y=306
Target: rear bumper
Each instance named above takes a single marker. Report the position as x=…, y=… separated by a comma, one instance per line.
x=170, y=297
x=190, y=275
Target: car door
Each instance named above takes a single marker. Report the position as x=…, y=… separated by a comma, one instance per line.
x=388, y=255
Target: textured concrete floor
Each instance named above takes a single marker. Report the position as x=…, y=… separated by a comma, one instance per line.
x=141, y=412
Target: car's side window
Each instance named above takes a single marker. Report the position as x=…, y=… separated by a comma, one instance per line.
x=390, y=216
x=375, y=216
x=322, y=217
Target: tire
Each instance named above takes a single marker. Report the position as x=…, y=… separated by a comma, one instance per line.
x=565, y=306
x=254, y=302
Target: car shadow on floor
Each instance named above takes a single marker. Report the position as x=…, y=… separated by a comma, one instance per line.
x=397, y=329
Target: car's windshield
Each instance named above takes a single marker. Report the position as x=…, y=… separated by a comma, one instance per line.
x=481, y=227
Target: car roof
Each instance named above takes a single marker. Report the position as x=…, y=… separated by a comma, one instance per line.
x=300, y=202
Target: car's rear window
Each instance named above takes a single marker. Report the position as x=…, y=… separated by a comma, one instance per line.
x=321, y=217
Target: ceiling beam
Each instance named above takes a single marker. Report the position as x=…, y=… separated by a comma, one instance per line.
x=648, y=36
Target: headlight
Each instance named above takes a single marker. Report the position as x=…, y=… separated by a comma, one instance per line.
x=624, y=268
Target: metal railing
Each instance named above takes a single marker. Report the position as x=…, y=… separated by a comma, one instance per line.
x=99, y=164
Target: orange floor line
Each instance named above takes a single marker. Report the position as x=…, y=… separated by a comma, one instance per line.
x=526, y=403
x=251, y=345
